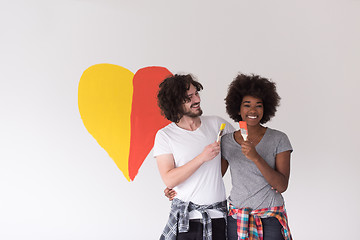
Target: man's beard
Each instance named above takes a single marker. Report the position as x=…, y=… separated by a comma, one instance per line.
x=193, y=114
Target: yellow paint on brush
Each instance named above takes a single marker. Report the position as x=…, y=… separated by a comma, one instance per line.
x=222, y=126
x=105, y=100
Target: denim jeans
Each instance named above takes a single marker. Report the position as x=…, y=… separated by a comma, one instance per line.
x=271, y=228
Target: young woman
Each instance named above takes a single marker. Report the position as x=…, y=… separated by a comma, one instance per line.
x=259, y=165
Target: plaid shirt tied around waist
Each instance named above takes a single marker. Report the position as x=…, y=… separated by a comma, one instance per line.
x=179, y=218
x=249, y=225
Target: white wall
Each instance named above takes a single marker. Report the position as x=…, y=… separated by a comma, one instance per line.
x=56, y=182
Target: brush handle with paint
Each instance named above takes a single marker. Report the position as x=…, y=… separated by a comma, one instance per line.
x=243, y=130
x=222, y=127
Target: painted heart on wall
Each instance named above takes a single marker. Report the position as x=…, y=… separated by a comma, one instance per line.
x=119, y=109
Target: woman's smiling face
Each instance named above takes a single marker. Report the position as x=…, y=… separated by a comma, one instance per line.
x=251, y=110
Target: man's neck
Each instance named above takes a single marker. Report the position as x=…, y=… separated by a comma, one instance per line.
x=189, y=123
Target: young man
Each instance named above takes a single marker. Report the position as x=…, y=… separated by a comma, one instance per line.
x=188, y=159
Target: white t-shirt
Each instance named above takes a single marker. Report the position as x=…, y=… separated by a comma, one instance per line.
x=205, y=185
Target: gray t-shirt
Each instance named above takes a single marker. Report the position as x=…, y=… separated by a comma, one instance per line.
x=249, y=187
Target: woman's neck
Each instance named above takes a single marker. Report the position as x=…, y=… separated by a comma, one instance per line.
x=256, y=130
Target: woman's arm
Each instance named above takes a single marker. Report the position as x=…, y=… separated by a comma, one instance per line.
x=278, y=178
x=224, y=166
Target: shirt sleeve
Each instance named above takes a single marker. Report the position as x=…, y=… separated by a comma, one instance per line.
x=161, y=144
x=229, y=128
x=284, y=144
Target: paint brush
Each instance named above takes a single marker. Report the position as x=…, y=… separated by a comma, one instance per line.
x=243, y=129
x=222, y=127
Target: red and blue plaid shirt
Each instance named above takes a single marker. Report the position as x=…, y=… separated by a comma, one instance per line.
x=249, y=225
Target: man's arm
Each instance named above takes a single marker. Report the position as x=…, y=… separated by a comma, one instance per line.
x=173, y=176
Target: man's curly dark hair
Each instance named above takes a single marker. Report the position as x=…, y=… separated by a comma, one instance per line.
x=172, y=95
x=255, y=86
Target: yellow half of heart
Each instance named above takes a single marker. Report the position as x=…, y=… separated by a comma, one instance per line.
x=105, y=99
